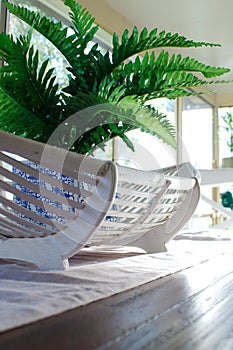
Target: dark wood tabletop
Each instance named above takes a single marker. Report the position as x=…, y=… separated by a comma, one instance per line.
x=189, y=309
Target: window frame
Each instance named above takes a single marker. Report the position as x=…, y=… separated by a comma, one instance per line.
x=3, y=21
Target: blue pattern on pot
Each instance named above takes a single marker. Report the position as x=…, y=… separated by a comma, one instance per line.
x=41, y=211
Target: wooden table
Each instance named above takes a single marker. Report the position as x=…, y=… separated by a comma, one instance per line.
x=190, y=309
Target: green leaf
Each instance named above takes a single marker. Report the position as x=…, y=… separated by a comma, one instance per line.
x=148, y=119
x=154, y=76
x=150, y=41
x=71, y=46
x=18, y=120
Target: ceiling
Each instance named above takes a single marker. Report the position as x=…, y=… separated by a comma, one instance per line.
x=199, y=20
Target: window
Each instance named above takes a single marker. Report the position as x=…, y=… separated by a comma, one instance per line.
x=197, y=147
x=197, y=132
x=224, y=134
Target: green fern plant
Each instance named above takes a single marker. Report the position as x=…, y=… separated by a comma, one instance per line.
x=34, y=105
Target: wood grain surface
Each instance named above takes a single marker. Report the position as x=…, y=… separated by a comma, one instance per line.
x=190, y=309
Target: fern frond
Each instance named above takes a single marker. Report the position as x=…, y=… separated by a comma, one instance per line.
x=137, y=43
x=71, y=46
x=148, y=119
x=131, y=115
x=14, y=117
x=32, y=85
x=109, y=93
x=180, y=89
x=43, y=81
x=53, y=31
x=83, y=23
x=79, y=102
x=91, y=126
x=152, y=75
x=10, y=47
x=106, y=93
x=178, y=63
x=98, y=136
x=7, y=46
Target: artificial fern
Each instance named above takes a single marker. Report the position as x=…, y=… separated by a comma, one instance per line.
x=105, y=94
